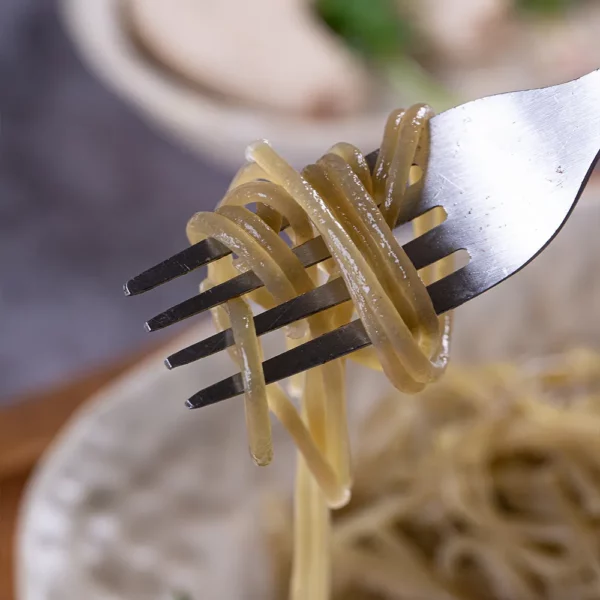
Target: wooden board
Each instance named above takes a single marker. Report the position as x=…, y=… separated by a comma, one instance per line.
x=26, y=430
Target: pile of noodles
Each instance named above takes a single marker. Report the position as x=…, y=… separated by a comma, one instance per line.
x=354, y=210
x=484, y=486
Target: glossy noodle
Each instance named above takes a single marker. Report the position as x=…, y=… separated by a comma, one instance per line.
x=354, y=211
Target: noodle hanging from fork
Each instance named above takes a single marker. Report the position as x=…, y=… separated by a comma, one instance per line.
x=354, y=211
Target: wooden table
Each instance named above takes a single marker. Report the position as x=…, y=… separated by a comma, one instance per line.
x=26, y=429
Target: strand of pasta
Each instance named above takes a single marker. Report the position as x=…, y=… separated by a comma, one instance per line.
x=338, y=198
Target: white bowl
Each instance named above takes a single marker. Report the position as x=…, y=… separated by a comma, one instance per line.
x=218, y=129
x=139, y=497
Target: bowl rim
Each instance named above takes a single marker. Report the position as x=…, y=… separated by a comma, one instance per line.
x=217, y=129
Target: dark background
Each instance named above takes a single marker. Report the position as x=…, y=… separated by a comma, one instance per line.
x=90, y=195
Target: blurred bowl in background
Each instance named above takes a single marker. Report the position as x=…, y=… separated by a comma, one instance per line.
x=140, y=498
x=217, y=76
x=217, y=125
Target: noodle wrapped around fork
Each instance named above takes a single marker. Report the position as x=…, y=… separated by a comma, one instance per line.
x=354, y=211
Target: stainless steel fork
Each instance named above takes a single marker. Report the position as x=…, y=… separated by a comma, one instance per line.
x=507, y=169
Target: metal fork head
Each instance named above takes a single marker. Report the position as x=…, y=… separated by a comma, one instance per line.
x=508, y=170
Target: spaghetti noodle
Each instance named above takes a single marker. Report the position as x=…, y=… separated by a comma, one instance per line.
x=486, y=487
x=354, y=211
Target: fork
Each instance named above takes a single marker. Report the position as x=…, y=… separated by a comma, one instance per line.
x=507, y=170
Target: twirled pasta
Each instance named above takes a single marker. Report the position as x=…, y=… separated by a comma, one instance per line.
x=354, y=211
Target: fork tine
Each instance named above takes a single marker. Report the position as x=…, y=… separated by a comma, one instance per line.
x=181, y=263
x=325, y=296
x=337, y=343
x=422, y=251
x=309, y=253
x=430, y=246
x=444, y=296
x=232, y=288
x=457, y=288
x=206, y=347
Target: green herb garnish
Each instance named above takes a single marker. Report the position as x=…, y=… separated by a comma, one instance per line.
x=373, y=27
x=545, y=7
x=378, y=31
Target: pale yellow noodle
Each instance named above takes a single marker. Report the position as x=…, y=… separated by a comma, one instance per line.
x=249, y=358
x=320, y=469
x=354, y=211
